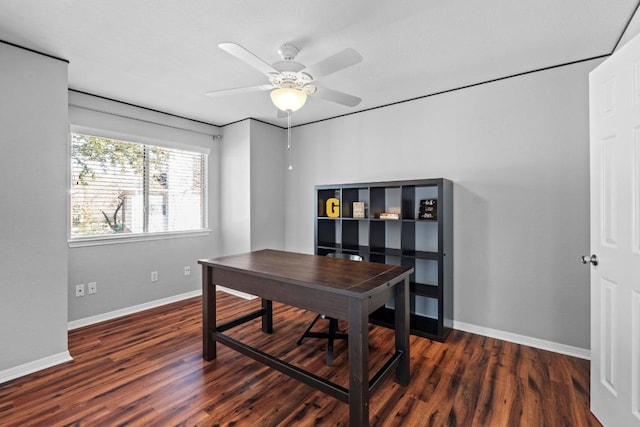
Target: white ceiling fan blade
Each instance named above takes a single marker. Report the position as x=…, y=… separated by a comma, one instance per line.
x=337, y=62
x=247, y=57
x=238, y=90
x=337, y=97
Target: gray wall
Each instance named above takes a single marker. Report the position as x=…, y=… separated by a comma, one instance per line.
x=33, y=207
x=235, y=188
x=252, y=165
x=518, y=153
x=268, y=171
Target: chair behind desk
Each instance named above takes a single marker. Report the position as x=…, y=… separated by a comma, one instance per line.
x=333, y=333
x=352, y=257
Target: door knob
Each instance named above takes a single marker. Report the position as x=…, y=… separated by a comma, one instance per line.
x=586, y=259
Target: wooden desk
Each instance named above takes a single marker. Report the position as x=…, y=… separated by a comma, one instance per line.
x=339, y=288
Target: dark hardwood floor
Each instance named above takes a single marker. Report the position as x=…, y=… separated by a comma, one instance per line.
x=147, y=369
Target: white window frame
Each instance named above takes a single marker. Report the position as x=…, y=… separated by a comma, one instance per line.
x=135, y=237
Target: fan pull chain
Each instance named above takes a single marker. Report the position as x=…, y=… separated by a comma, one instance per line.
x=289, y=138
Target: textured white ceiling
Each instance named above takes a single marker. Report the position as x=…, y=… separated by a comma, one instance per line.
x=163, y=54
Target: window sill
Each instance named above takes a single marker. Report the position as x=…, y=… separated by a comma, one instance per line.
x=131, y=238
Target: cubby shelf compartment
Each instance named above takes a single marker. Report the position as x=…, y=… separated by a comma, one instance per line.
x=424, y=244
x=424, y=290
x=419, y=325
x=420, y=254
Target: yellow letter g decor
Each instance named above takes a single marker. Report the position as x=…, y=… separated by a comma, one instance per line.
x=333, y=207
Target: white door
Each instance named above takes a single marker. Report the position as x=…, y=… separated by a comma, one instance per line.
x=614, y=101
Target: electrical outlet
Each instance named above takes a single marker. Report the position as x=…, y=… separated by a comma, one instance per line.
x=92, y=288
x=80, y=290
x=154, y=276
x=187, y=270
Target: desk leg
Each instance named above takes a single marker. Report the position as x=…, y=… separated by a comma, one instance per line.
x=267, y=317
x=208, y=314
x=402, y=326
x=358, y=363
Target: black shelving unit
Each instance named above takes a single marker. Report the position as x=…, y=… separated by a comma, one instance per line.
x=424, y=244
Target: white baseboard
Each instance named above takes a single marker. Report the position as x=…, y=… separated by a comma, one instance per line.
x=130, y=310
x=581, y=353
x=236, y=293
x=578, y=352
x=147, y=305
x=36, y=365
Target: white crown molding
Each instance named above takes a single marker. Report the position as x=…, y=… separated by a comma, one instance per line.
x=581, y=353
x=36, y=365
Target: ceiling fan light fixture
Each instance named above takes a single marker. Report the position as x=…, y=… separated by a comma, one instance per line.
x=288, y=99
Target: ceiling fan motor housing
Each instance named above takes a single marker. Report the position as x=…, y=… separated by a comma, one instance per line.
x=289, y=79
x=288, y=52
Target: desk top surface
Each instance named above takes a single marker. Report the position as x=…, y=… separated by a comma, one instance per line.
x=354, y=278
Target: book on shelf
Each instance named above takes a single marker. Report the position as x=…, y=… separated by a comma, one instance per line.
x=389, y=215
x=428, y=209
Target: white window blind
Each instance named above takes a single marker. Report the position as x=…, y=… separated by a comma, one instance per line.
x=123, y=187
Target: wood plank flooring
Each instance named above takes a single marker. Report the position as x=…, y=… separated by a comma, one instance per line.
x=146, y=369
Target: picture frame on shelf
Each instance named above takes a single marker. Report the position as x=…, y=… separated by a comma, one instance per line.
x=428, y=209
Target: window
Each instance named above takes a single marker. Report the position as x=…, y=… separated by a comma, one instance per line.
x=121, y=187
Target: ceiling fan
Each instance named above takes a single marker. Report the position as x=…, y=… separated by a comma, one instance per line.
x=290, y=82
